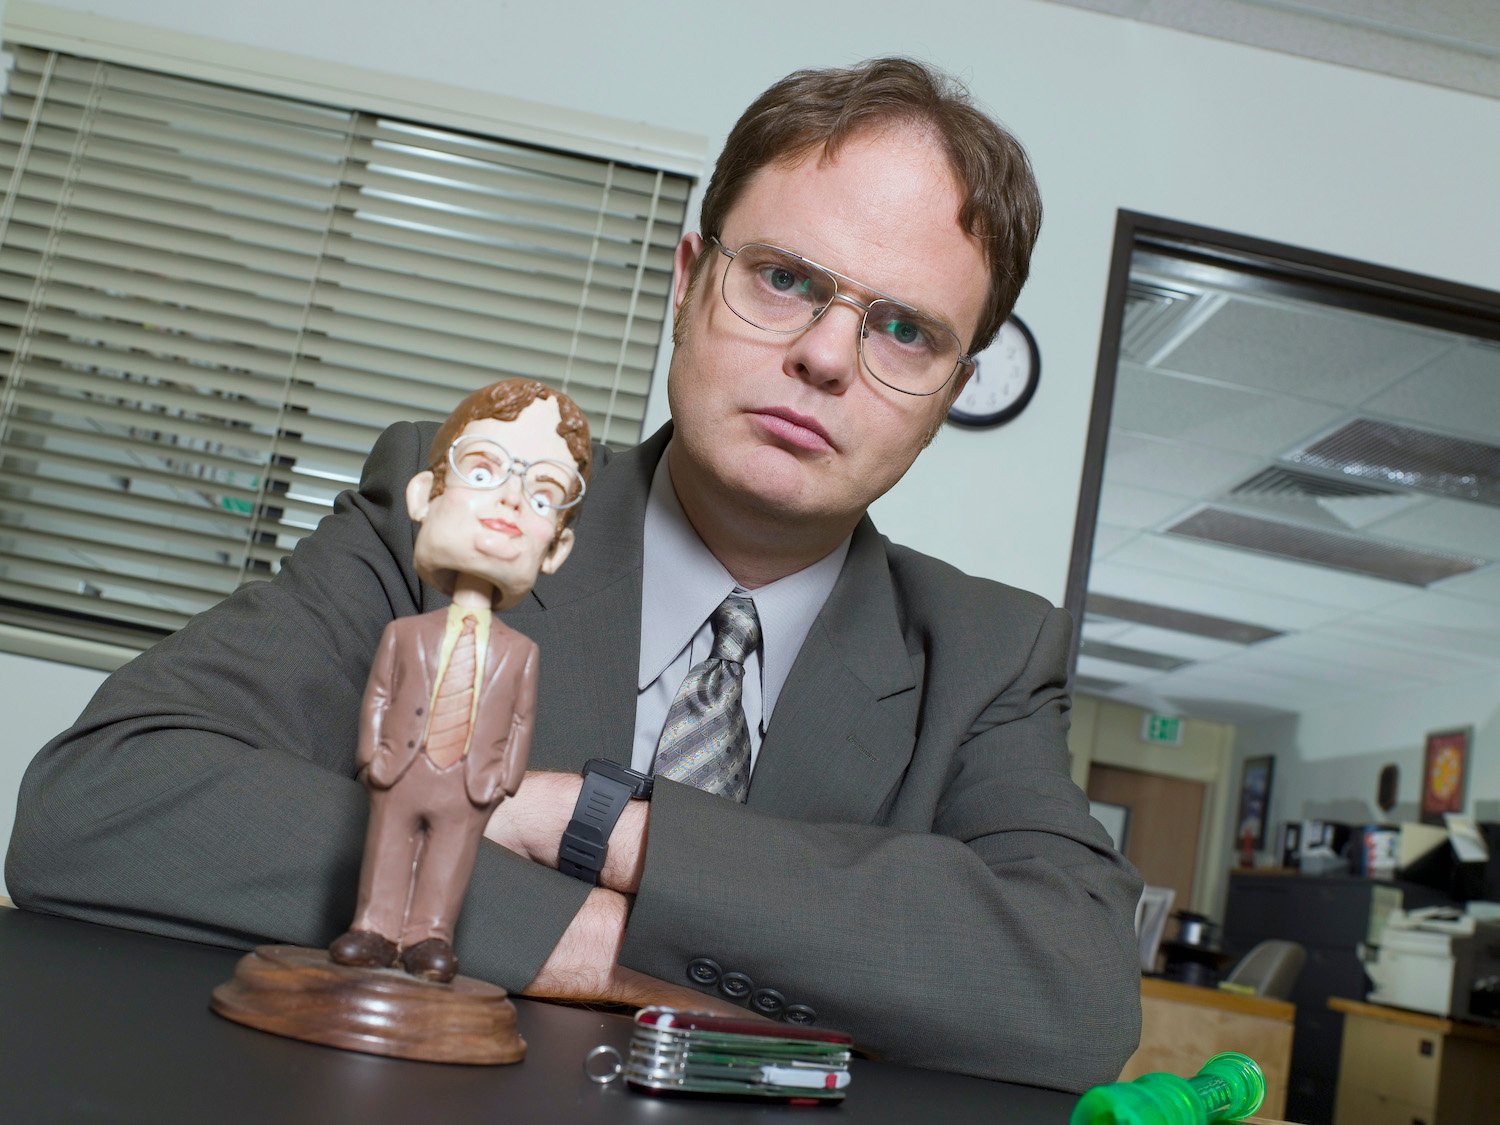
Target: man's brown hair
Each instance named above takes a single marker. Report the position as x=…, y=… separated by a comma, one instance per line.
x=505, y=401
x=813, y=109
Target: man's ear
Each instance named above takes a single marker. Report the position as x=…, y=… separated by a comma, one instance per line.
x=683, y=261
x=958, y=383
x=557, y=554
x=419, y=495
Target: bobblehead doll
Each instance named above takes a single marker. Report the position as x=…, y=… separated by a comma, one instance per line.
x=446, y=723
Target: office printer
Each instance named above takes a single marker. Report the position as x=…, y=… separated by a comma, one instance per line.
x=1439, y=960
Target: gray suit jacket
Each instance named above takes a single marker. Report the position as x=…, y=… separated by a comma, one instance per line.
x=913, y=862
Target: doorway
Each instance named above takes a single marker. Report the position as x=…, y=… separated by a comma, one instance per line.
x=1166, y=815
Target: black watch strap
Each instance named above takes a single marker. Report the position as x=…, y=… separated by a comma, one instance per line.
x=607, y=788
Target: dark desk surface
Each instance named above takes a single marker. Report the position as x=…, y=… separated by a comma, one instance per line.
x=99, y=1024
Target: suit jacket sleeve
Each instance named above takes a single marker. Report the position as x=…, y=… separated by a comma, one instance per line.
x=982, y=923
x=208, y=790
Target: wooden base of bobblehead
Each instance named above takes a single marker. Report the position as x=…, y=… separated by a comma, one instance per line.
x=297, y=992
x=444, y=736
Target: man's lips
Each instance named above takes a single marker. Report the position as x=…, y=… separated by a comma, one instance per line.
x=503, y=527
x=801, y=431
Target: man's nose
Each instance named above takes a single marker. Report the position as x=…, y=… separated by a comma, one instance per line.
x=826, y=352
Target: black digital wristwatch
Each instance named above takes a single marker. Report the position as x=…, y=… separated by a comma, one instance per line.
x=607, y=788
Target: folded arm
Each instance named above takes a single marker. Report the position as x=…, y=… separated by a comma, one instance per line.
x=998, y=942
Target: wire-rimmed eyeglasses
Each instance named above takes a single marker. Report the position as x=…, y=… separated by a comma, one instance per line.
x=779, y=291
x=549, y=486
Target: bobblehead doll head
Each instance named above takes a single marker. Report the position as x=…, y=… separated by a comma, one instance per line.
x=509, y=468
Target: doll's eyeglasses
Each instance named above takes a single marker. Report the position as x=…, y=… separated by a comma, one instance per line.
x=550, y=486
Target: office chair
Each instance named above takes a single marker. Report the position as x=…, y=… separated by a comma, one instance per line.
x=1271, y=968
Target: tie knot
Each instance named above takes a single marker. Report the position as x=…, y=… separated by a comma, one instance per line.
x=736, y=629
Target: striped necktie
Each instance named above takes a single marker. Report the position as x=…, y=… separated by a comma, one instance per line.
x=448, y=730
x=705, y=742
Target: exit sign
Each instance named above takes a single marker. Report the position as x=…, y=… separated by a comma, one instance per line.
x=1166, y=729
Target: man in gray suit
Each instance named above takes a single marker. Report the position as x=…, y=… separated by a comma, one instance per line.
x=897, y=849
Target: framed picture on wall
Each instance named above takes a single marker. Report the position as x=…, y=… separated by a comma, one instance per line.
x=1445, y=773
x=1255, y=801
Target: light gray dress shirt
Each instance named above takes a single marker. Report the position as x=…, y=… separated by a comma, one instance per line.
x=681, y=585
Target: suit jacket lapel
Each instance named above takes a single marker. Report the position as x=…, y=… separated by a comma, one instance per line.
x=586, y=620
x=845, y=724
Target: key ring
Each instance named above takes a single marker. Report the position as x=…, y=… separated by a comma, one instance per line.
x=602, y=1077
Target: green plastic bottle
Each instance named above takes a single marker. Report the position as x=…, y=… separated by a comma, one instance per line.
x=1229, y=1087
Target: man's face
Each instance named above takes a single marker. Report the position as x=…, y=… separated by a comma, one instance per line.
x=495, y=533
x=791, y=426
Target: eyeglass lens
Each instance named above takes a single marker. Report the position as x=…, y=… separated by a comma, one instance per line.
x=481, y=463
x=775, y=290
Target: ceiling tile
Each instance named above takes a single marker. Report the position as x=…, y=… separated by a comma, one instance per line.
x=1174, y=467
x=1096, y=630
x=1113, y=670
x=1166, y=405
x=1345, y=658
x=1127, y=506
x=1337, y=358
x=1451, y=526
x=1459, y=394
x=1479, y=585
x=1272, y=611
x=1247, y=570
x=1108, y=537
x=1171, y=643
x=1434, y=608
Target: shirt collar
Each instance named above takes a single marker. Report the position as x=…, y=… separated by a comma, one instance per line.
x=682, y=583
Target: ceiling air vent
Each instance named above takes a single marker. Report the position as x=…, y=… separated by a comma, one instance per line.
x=1177, y=620
x=1139, y=658
x=1404, y=457
x=1323, y=548
x=1155, y=319
x=1289, y=482
x=1290, y=495
x=1095, y=684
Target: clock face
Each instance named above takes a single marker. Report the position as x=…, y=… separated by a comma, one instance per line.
x=1004, y=379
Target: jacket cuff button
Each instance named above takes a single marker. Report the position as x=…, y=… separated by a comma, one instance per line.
x=800, y=1013
x=768, y=1002
x=736, y=986
x=704, y=971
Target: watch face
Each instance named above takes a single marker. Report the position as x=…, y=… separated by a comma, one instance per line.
x=1005, y=377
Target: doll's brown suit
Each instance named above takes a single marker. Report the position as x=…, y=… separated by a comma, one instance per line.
x=425, y=822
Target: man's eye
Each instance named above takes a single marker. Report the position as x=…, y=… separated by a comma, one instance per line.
x=482, y=472
x=785, y=280
x=906, y=333
x=541, y=503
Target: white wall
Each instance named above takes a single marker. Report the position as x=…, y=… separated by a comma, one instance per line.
x=1115, y=114
x=1329, y=760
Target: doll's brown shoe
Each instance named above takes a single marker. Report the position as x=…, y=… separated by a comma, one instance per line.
x=364, y=949
x=432, y=959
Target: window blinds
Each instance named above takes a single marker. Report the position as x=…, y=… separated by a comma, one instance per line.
x=212, y=301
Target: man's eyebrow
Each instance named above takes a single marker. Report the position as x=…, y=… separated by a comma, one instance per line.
x=863, y=286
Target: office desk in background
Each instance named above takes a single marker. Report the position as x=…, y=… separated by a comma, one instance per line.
x=99, y=1024
x=1182, y=1024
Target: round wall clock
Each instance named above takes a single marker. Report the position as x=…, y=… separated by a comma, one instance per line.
x=1004, y=379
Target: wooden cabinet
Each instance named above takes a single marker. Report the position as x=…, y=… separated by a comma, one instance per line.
x=1328, y=915
x=1407, y=1068
x=1183, y=1025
